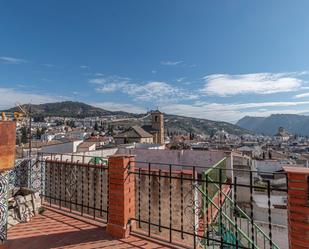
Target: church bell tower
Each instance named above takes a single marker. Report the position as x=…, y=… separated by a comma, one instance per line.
x=157, y=121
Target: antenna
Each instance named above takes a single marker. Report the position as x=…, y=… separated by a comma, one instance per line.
x=21, y=108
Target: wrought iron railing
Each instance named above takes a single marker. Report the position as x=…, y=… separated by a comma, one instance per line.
x=188, y=205
x=74, y=183
x=182, y=206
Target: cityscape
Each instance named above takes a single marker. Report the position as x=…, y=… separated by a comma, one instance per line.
x=166, y=124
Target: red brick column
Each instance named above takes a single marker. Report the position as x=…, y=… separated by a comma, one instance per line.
x=298, y=207
x=121, y=195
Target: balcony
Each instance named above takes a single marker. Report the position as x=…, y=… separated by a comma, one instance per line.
x=61, y=229
x=170, y=206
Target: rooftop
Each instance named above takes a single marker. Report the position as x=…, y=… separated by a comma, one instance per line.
x=134, y=131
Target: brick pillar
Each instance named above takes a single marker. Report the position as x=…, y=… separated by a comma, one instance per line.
x=298, y=207
x=121, y=206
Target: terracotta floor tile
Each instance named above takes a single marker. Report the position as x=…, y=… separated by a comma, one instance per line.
x=57, y=230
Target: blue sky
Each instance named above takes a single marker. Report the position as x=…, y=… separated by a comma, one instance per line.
x=219, y=60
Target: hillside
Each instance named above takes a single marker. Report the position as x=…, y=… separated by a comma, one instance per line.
x=69, y=109
x=197, y=125
x=172, y=122
x=295, y=124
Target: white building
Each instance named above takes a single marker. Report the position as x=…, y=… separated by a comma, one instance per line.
x=65, y=147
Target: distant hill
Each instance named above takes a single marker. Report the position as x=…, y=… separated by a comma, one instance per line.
x=293, y=123
x=69, y=109
x=198, y=125
x=172, y=122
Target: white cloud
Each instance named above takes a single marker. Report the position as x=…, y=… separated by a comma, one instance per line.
x=181, y=79
x=242, y=106
x=12, y=60
x=48, y=65
x=97, y=81
x=171, y=63
x=176, y=99
x=257, y=83
x=160, y=91
x=302, y=95
x=113, y=106
x=110, y=84
x=84, y=67
x=234, y=111
x=9, y=97
x=111, y=87
x=151, y=91
x=109, y=80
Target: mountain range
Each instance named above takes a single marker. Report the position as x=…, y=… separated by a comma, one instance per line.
x=172, y=122
x=293, y=123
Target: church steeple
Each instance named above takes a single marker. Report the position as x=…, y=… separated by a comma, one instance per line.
x=157, y=122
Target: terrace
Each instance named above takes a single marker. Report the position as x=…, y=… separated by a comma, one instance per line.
x=119, y=202
x=60, y=229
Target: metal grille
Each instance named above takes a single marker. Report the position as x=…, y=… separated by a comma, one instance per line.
x=183, y=205
x=77, y=184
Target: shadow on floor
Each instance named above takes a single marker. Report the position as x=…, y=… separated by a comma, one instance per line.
x=56, y=229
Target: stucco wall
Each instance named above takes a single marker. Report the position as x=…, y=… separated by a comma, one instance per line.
x=69, y=147
x=7, y=144
x=184, y=208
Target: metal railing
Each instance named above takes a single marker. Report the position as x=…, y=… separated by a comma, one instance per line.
x=182, y=206
x=77, y=184
x=189, y=205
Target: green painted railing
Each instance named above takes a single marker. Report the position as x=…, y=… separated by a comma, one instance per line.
x=99, y=160
x=248, y=222
x=230, y=223
x=225, y=224
x=214, y=173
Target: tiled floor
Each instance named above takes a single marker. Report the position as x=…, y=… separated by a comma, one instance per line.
x=56, y=229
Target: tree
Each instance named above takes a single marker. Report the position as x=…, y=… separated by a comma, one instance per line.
x=38, y=118
x=44, y=129
x=168, y=133
x=96, y=126
x=71, y=123
x=38, y=133
x=102, y=126
x=24, y=135
x=59, y=122
x=111, y=130
x=191, y=135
